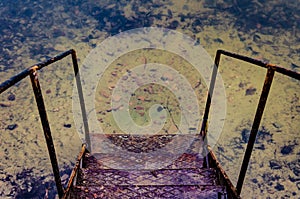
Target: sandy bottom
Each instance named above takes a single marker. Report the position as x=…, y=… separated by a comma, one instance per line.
x=274, y=168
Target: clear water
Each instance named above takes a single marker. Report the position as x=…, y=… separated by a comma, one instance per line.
x=32, y=31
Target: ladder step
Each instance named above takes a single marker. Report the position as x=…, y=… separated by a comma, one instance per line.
x=91, y=177
x=161, y=192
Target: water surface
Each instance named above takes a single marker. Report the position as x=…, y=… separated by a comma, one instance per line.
x=32, y=31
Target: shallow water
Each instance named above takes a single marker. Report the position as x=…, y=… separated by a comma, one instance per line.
x=32, y=31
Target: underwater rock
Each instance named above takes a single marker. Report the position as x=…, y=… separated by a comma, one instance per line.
x=279, y=187
x=159, y=109
x=274, y=164
x=167, y=76
x=250, y=91
x=174, y=24
x=12, y=127
x=295, y=167
x=256, y=38
x=11, y=97
x=285, y=150
x=67, y=125
x=261, y=147
x=197, y=26
x=294, y=66
x=245, y=135
x=262, y=135
x=277, y=125
x=218, y=40
x=170, y=14
x=242, y=85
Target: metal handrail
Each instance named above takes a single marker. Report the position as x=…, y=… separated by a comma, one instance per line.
x=72, y=179
x=32, y=72
x=271, y=69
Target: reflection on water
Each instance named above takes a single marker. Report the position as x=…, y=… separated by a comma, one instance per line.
x=31, y=31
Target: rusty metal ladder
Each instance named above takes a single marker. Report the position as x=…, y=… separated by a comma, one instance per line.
x=210, y=161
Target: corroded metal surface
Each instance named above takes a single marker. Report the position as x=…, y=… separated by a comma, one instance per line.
x=91, y=177
x=100, y=161
x=172, y=192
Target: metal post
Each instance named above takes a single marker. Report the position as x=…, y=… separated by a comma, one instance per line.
x=46, y=128
x=255, y=126
x=81, y=100
x=207, y=107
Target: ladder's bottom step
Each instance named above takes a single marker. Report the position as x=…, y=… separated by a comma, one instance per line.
x=154, y=191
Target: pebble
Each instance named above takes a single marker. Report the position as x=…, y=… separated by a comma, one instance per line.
x=250, y=91
x=141, y=98
x=294, y=66
x=114, y=73
x=5, y=104
x=111, y=86
x=218, y=40
x=139, y=108
x=274, y=164
x=159, y=109
x=12, y=126
x=67, y=125
x=197, y=26
x=170, y=14
x=174, y=24
x=261, y=147
x=279, y=187
x=256, y=38
x=298, y=109
x=167, y=76
x=285, y=150
x=11, y=97
x=277, y=125
x=242, y=85
x=295, y=167
x=245, y=135
x=104, y=94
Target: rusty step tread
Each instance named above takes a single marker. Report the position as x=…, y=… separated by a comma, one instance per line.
x=191, y=176
x=132, y=192
x=112, y=161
